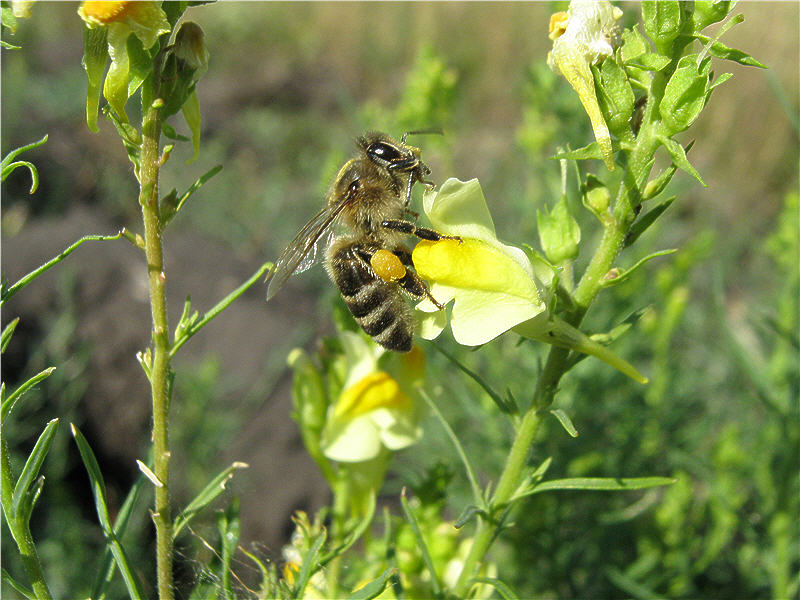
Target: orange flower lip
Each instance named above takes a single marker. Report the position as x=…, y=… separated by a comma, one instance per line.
x=103, y=13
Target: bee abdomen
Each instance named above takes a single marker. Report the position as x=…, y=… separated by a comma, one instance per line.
x=377, y=305
x=382, y=314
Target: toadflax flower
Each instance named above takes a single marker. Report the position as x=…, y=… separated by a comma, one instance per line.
x=373, y=412
x=583, y=36
x=146, y=20
x=494, y=287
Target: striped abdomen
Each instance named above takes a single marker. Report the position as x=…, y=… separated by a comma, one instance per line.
x=378, y=306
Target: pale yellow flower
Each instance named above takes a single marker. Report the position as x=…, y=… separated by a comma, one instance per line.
x=583, y=36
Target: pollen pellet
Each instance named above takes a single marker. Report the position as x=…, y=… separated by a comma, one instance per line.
x=387, y=266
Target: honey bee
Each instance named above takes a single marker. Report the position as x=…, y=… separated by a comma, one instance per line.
x=371, y=266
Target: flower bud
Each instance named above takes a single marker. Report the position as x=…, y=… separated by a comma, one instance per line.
x=190, y=47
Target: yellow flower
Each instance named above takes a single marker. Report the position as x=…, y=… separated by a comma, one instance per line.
x=145, y=20
x=493, y=284
x=495, y=287
x=583, y=36
x=372, y=413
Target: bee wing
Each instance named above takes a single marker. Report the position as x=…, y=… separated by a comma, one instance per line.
x=296, y=257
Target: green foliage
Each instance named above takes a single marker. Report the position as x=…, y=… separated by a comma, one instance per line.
x=713, y=521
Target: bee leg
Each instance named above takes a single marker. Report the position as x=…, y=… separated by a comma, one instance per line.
x=412, y=283
x=417, y=288
x=404, y=256
x=421, y=232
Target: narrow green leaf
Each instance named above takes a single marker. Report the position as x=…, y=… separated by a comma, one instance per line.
x=473, y=480
x=678, y=156
x=5, y=44
x=193, y=188
x=629, y=586
x=99, y=492
x=466, y=515
x=11, y=290
x=94, y=61
x=229, y=525
x=169, y=132
x=621, y=275
x=221, y=305
x=436, y=586
x=542, y=469
x=602, y=484
x=209, y=493
x=355, y=533
x=32, y=467
x=644, y=222
x=22, y=589
x=502, y=587
x=309, y=566
x=374, y=588
x=634, y=44
x=530, y=480
x=268, y=579
x=565, y=421
x=95, y=478
x=8, y=158
x=504, y=405
x=191, y=112
x=107, y=565
x=717, y=82
x=141, y=64
x=8, y=331
x=23, y=163
x=591, y=151
x=8, y=403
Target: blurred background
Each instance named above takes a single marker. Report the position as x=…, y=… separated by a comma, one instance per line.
x=289, y=87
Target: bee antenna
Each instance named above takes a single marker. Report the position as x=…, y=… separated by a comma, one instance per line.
x=432, y=130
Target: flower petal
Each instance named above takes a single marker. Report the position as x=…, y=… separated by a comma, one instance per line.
x=352, y=441
x=361, y=357
x=459, y=208
x=376, y=390
x=147, y=21
x=475, y=265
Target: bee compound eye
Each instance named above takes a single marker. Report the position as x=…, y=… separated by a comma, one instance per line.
x=384, y=152
x=354, y=186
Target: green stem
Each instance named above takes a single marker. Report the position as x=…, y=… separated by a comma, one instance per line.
x=556, y=365
x=20, y=529
x=341, y=500
x=159, y=375
x=509, y=481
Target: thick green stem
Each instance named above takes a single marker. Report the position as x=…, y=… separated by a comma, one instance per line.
x=508, y=484
x=20, y=530
x=159, y=374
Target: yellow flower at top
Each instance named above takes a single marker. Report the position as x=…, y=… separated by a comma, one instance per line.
x=145, y=19
x=102, y=13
